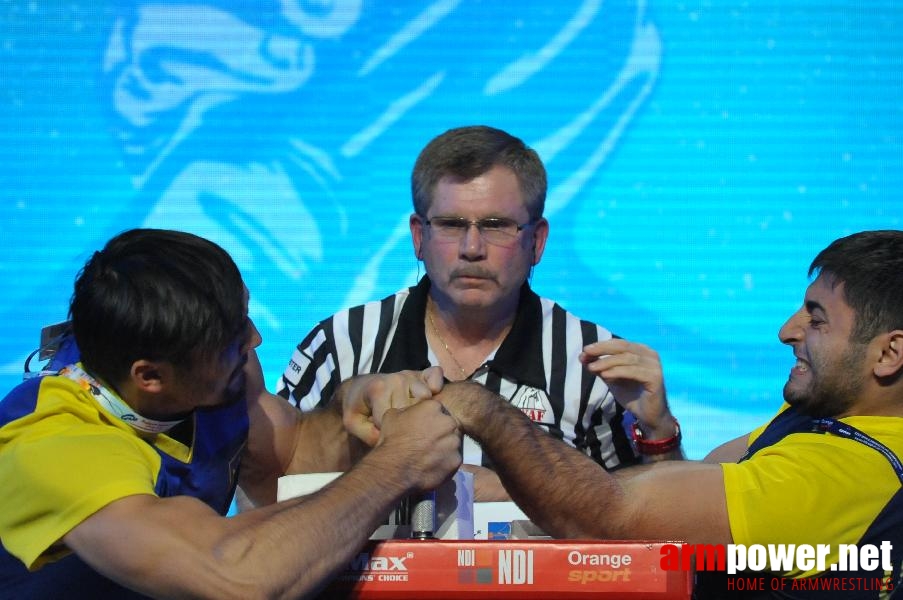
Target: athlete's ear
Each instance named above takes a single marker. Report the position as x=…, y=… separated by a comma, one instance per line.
x=149, y=376
x=890, y=362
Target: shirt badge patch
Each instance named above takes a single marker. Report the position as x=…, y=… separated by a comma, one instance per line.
x=535, y=404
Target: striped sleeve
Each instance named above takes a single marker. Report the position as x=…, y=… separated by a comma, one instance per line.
x=587, y=412
x=311, y=372
x=606, y=439
x=349, y=343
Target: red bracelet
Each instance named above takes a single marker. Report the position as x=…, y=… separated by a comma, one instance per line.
x=644, y=446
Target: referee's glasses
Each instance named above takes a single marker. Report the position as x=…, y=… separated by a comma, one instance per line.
x=494, y=230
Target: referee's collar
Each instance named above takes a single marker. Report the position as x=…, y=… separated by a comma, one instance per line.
x=519, y=357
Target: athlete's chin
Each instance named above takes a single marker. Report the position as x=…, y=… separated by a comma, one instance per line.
x=816, y=405
x=796, y=391
x=236, y=391
x=797, y=398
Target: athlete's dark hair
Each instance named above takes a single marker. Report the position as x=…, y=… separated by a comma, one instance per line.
x=468, y=152
x=870, y=266
x=157, y=295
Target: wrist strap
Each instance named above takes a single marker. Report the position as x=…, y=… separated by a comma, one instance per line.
x=652, y=447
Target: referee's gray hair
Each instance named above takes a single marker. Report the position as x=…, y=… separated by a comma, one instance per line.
x=468, y=152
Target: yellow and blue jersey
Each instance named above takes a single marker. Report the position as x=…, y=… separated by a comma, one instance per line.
x=63, y=457
x=821, y=481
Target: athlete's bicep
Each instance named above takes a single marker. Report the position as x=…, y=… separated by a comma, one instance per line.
x=272, y=438
x=676, y=500
x=161, y=547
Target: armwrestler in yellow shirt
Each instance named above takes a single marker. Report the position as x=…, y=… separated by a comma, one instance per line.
x=826, y=470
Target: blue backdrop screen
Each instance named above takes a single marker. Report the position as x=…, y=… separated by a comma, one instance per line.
x=699, y=154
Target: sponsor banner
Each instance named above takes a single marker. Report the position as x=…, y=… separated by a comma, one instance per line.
x=476, y=569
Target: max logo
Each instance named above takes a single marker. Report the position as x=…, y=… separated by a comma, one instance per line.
x=363, y=562
x=534, y=403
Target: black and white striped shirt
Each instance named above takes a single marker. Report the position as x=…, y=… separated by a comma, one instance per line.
x=535, y=366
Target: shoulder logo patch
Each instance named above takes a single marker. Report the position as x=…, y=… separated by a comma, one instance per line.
x=534, y=403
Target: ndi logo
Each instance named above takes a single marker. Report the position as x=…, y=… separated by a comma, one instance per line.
x=515, y=567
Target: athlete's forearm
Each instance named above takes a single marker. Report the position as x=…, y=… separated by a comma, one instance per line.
x=179, y=547
x=302, y=542
x=562, y=490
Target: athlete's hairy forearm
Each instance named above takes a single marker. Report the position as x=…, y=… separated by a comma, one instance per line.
x=562, y=490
